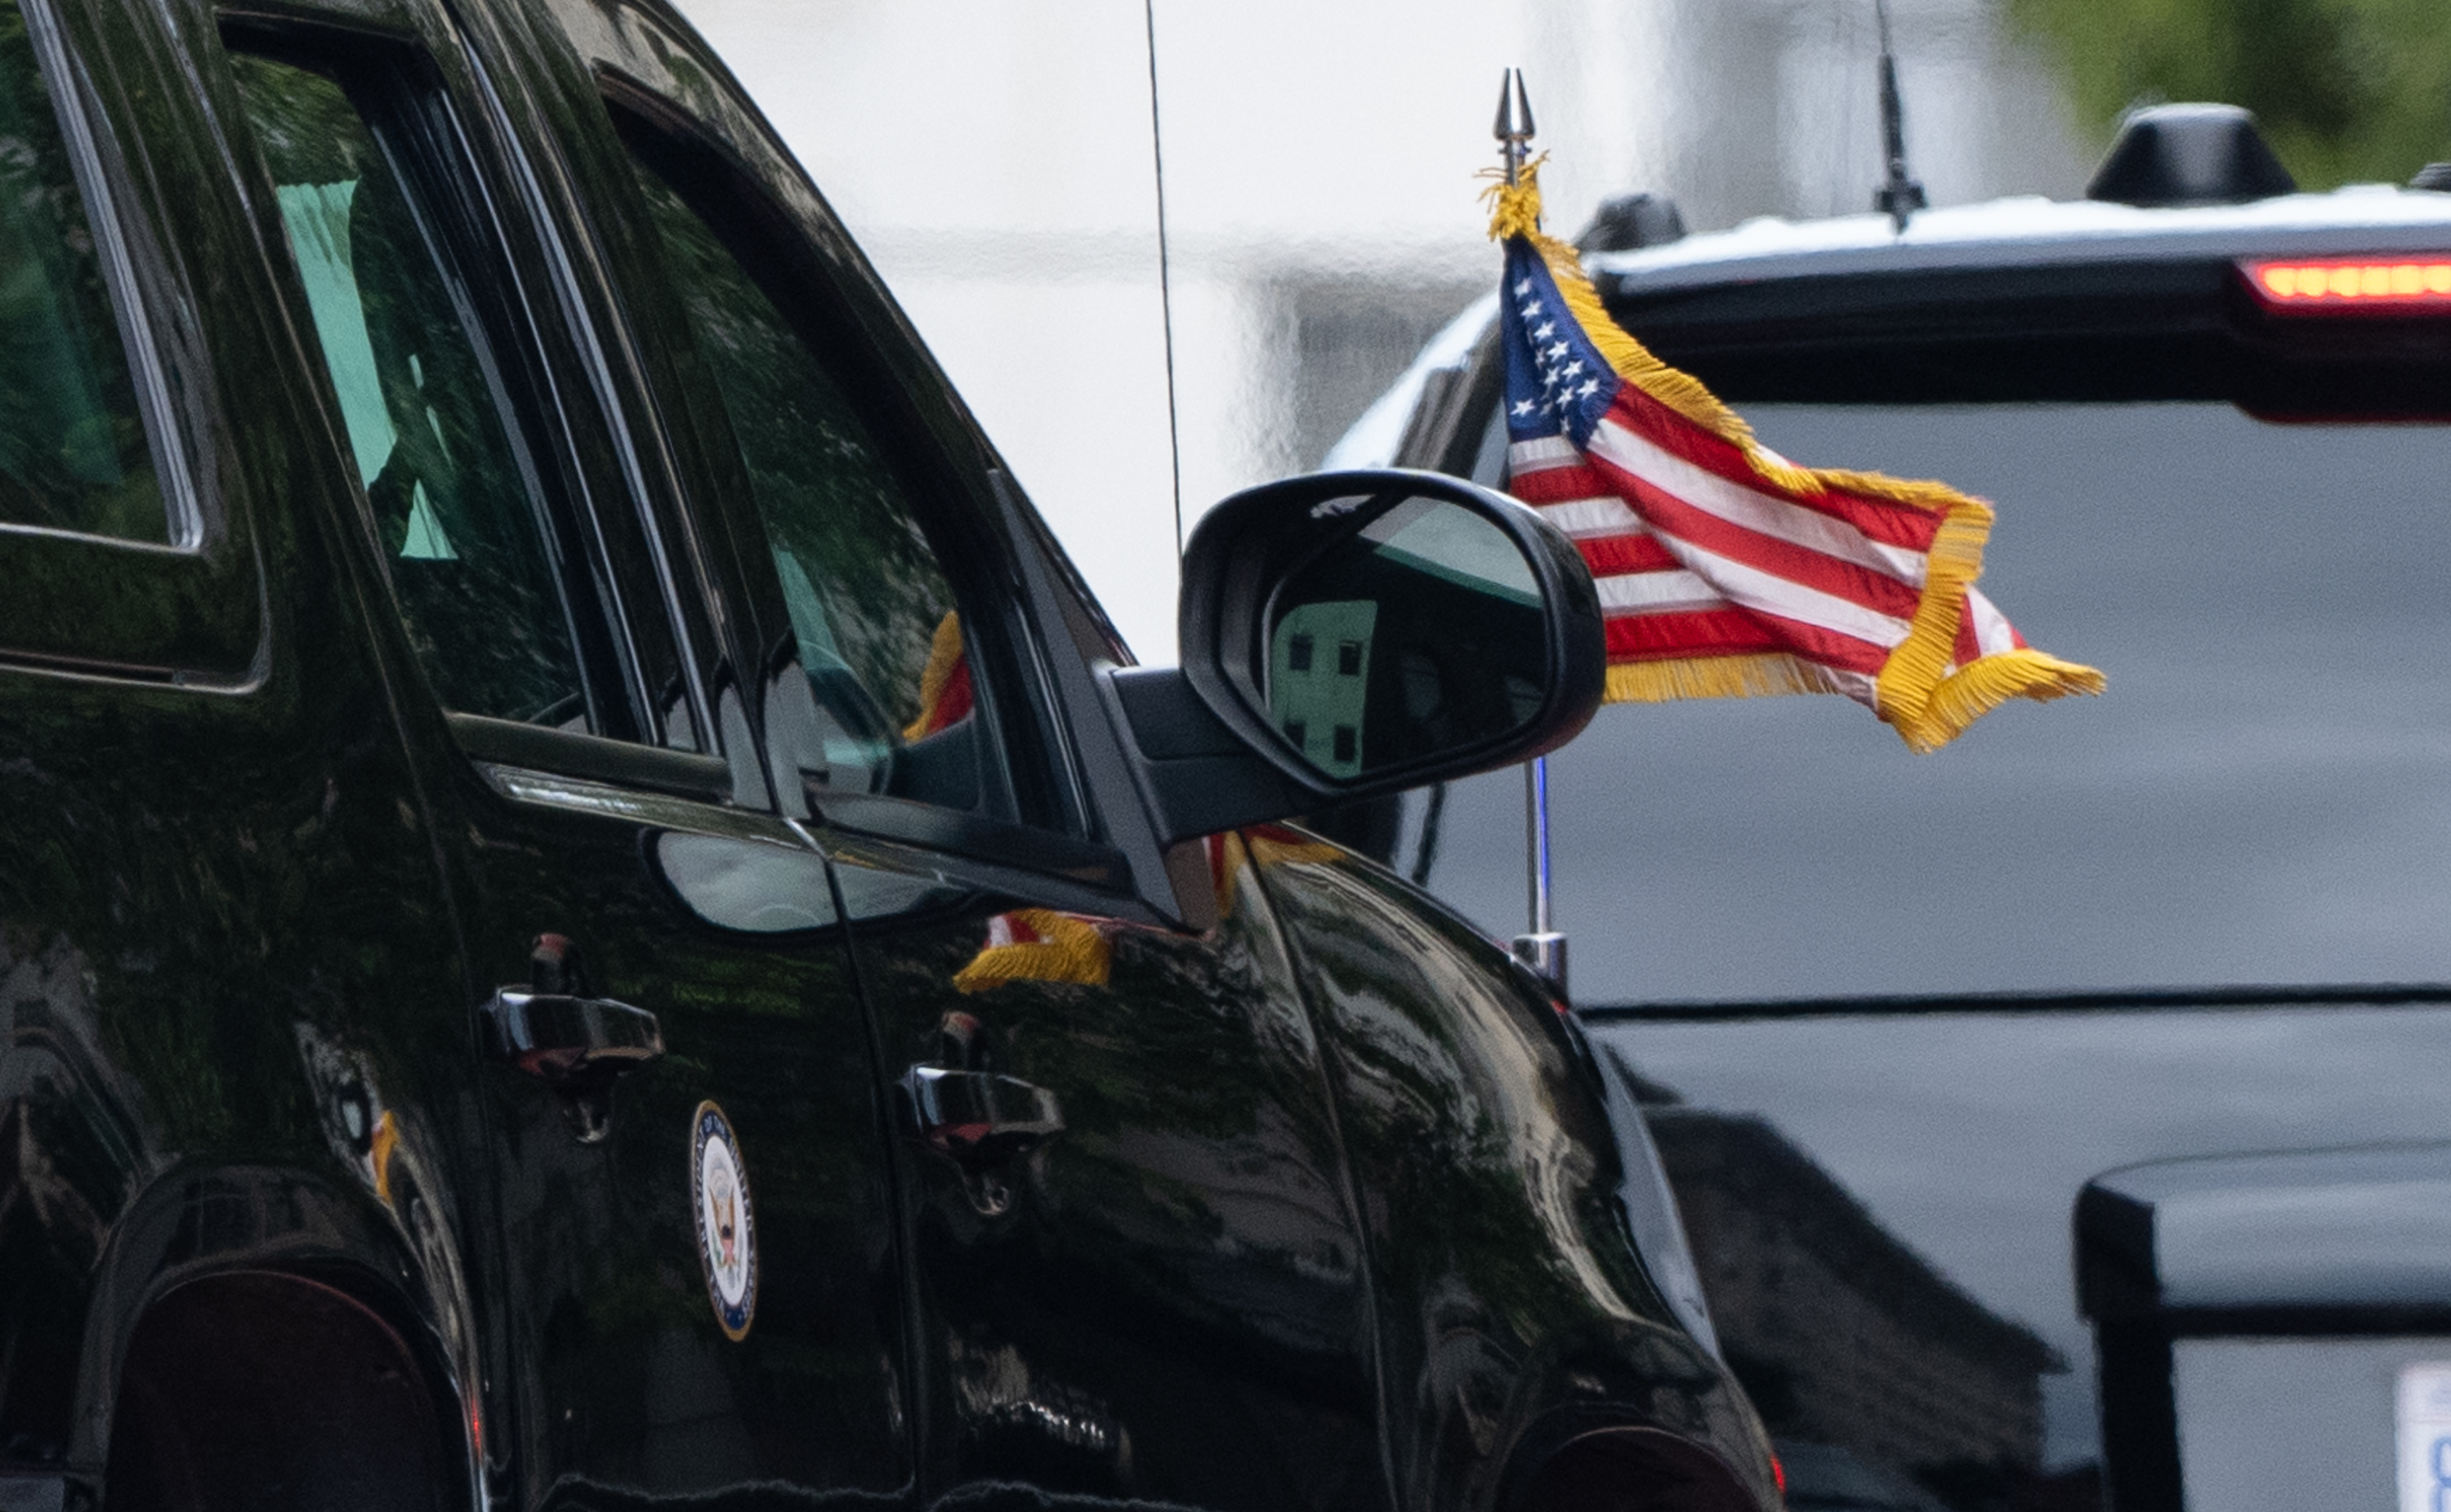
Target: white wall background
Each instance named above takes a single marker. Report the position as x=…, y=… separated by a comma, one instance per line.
x=995, y=158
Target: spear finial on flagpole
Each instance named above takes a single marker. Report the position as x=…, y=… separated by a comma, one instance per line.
x=1513, y=128
x=1899, y=195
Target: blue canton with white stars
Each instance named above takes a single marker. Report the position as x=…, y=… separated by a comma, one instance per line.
x=1556, y=381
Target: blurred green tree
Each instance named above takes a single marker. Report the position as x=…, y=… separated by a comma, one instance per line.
x=2345, y=89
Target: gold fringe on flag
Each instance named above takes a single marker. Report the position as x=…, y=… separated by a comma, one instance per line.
x=1916, y=693
x=1753, y=676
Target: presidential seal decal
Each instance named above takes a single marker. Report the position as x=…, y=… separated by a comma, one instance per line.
x=727, y=1238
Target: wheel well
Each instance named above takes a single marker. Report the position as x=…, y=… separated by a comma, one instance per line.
x=257, y=1391
x=1632, y=1470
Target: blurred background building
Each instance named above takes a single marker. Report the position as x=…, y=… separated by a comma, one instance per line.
x=994, y=157
x=1848, y=1341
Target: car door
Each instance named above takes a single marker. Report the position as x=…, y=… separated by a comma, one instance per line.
x=691, y=1280
x=1133, y=1254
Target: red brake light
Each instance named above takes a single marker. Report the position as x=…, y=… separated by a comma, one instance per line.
x=2334, y=284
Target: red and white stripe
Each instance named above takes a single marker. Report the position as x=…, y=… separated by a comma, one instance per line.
x=1696, y=555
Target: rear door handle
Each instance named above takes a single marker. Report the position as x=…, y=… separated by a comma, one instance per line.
x=564, y=1038
x=979, y=1115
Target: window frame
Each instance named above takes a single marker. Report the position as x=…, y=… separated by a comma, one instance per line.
x=1029, y=808
x=591, y=529
x=188, y=611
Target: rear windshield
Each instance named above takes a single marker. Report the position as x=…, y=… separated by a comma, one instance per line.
x=2263, y=796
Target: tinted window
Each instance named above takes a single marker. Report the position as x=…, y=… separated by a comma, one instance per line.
x=460, y=525
x=72, y=446
x=2259, y=797
x=871, y=609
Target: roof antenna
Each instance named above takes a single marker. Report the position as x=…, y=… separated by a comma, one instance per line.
x=1901, y=196
x=1513, y=128
x=1164, y=281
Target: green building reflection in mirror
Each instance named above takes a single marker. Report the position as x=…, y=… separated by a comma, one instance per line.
x=1319, y=679
x=1420, y=635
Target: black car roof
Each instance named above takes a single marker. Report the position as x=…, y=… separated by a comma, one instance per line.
x=2034, y=232
x=2018, y=300
x=2033, y=300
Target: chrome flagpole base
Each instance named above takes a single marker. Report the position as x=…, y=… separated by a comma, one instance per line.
x=1545, y=954
x=1544, y=949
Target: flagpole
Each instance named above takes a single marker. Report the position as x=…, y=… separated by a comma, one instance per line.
x=1544, y=950
x=1164, y=283
x=1535, y=850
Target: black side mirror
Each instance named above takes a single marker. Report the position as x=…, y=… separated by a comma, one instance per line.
x=1347, y=635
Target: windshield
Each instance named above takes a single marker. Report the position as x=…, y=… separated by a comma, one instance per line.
x=2260, y=797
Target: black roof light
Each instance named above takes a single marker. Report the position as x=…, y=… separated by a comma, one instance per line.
x=1632, y=221
x=2434, y=176
x=2190, y=154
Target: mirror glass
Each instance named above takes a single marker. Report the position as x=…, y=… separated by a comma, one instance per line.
x=1419, y=635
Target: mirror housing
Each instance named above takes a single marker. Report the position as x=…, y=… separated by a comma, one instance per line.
x=1354, y=634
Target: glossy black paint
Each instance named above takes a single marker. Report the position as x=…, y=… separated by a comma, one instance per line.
x=1314, y=1203
x=1166, y=1301
x=1511, y=1307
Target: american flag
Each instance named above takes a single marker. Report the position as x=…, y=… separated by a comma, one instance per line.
x=1724, y=569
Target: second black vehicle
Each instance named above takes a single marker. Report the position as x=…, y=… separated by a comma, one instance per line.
x=2059, y=1116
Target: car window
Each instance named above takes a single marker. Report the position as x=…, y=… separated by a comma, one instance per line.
x=2258, y=796
x=73, y=454
x=872, y=612
x=454, y=499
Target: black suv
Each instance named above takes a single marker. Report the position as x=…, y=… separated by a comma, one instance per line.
x=591, y=917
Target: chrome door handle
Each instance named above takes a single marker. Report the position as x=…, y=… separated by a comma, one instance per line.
x=979, y=1115
x=565, y=1038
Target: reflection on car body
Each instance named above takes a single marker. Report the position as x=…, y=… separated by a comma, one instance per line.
x=1889, y=1018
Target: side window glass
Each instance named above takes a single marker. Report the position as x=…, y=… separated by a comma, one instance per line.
x=872, y=612
x=462, y=530
x=73, y=454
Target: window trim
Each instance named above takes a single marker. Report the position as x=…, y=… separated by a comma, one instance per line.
x=980, y=567
x=568, y=753
x=183, y=511
x=397, y=88
x=188, y=611
x=696, y=674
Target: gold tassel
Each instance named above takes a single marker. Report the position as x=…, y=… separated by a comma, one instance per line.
x=1756, y=677
x=1977, y=688
x=1068, y=949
